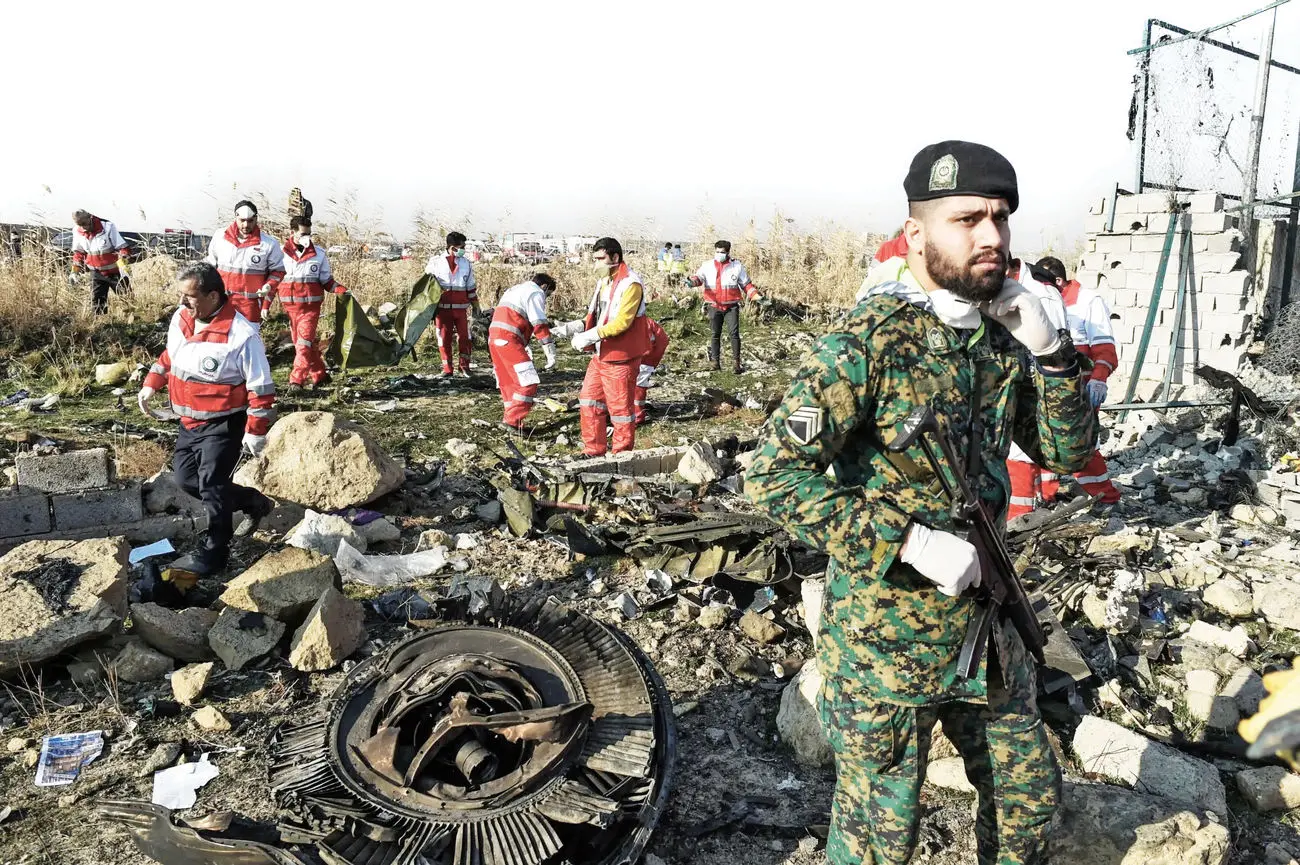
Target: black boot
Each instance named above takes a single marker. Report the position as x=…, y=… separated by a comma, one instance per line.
x=254, y=512
x=205, y=562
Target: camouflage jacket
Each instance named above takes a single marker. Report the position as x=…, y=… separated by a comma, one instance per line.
x=886, y=630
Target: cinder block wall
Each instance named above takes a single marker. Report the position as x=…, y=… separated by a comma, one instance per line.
x=1220, y=315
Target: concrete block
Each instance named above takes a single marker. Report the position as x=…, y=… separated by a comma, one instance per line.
x=23, y=512
x=1222, y=302
x=1201, y=243
x=1153, y=202
x=1217, y=262
x=1087, y=277
x=1095, y=224
x=97, y=508
x=64, y=473
x=1126, y=204
x=1148, y=242
x=1228, y=241
x=1158, y=224
x=1212, y=223
x=1151, y=263
x=1205, y=202
x=1125, y=298
x=1126, y=260
x=1133, y=223
x=1233, y=283
x=1111, y=280
x=1090, y=244
x=1113, y=243
x=1140, y=281
x=1235, y=323
x=1092, y=261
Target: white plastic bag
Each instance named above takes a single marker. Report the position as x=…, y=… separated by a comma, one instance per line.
x=388, y=571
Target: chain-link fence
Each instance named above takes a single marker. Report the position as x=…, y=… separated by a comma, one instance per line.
x=1219, y=110
x=1194, y=100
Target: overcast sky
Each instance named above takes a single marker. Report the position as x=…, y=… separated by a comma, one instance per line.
x=567, y=116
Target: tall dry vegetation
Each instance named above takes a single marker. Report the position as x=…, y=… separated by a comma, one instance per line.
x=45, y=322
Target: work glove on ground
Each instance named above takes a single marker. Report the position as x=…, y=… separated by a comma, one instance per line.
x=1020, y=312
x=1096, y=392
x=944, y=559
x=548, y=349
x=586, y=339
x=643, y=377
x=142, y=399
x=254, y=444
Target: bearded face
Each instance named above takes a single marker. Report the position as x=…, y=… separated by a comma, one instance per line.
x=975, y=278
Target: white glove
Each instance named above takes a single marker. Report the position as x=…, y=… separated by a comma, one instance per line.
x=254, y=444
x=1020, y=312
x=265, y=291
x=1096, y=392
x=643, y=378
x=585, y=340
x=142, y=398
x=944, y=559
x=548, y=349
x=568, y=329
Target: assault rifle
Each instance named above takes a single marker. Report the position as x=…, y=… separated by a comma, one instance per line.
x=1000, y=590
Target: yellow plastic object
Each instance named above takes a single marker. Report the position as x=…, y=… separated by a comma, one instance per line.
x=121, y=266
x=182, y=580
x=1283, y=697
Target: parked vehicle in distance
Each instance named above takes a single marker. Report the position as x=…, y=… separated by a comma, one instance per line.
x=180, y=244
x=528, y=252
x=478, y=250
x=385, y=252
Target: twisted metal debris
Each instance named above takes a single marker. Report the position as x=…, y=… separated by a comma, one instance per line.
x=547, y=738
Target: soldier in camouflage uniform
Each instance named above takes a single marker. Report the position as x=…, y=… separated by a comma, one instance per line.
x=954, y=334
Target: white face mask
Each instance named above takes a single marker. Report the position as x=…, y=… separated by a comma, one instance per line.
x=304, y=240
x=954, y=311
x=719, y=256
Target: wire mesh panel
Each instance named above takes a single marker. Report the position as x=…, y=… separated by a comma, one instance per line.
x=1193, y=103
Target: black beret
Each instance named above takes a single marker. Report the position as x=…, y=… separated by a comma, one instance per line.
x=961, y=168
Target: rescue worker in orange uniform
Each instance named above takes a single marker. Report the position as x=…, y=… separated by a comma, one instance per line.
x=649, y=363
x=520, y=315
x=307, y=276
x=618, y=333
x=249, y=260
x=219, y=383
x=1089, y=321
x=97, y=244
x=456, y=276
x=725, y=282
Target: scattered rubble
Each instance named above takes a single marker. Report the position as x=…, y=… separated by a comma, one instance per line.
x=182, y=634
x=210, y=720
x=322, y=462
x=1269, y=788
x=1103, y=825
x=139, y=663
x=333, y=630
x=189, y=683
x=799, y=719
x=1107, y=749
x=283, y=585
x=240, y=636
x=321, y=533
x=55, y=595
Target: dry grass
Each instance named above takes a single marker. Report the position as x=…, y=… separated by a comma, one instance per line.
x=140, y=459
x=46, y=325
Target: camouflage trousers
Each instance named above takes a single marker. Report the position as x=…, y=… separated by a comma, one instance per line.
x=880, y=756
